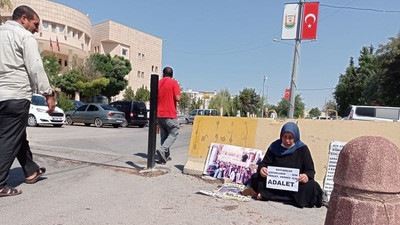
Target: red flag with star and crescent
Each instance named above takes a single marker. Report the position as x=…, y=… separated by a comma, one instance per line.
x=287, y=93
x=310, y=19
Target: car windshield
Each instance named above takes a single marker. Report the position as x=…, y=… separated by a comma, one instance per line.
x=107, y=107
x=77, y=103
x=39, y=100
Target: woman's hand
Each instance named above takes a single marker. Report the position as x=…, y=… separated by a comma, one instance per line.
x=303, y=178
x=264, y=172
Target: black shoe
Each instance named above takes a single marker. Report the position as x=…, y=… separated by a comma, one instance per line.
x=161, y=156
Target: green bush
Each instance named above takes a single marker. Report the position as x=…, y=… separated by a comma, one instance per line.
x=64, y=103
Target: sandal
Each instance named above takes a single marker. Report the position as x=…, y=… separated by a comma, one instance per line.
x=39, y=173
x=9, y=191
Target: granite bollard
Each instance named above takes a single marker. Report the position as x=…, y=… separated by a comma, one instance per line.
x=367, y=184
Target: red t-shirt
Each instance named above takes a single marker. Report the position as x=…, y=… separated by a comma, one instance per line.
x=167, y=89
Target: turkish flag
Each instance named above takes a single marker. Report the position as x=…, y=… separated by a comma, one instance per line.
x=51, y=45
x=58, y=45
x=287, y=93
x=310, y=19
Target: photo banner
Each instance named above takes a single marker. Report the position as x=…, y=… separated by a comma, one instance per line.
x=290, y=20
x=233, y=162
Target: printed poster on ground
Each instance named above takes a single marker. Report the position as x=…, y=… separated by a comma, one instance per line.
x=233, y=162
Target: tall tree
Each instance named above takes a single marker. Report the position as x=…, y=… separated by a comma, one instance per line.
x=183, y=105
x=67, y=82
x=389, y=58
x=85, y=79
x=314, y=112
x=361, y=84
x=114, y=69
x=129, y=94
x=330, y=105
x=222, y=101
x=283, y=106
x=345, y=93
x=195, y=104
x=52, y=68
x=142, y=94
x=92, y=88
x=236, y=106
x=250, y=102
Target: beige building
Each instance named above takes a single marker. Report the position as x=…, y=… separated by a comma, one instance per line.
x=70, y=35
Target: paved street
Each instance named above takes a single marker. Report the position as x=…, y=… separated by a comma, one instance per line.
x=93, y=178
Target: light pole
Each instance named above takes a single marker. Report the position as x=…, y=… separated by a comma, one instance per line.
x=293, y=79
x=262, y=105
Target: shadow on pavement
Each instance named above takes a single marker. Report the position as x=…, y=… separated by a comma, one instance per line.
x=134, y=165
x=180, y=167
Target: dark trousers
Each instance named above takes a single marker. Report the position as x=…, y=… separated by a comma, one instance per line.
x=13, y=142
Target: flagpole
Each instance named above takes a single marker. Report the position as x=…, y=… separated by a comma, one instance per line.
x=293, y=86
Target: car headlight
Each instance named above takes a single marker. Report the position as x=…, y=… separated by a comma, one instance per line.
x=41, y=110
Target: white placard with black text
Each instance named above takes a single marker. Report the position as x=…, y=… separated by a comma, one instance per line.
x=334, y=151
x=283, y=178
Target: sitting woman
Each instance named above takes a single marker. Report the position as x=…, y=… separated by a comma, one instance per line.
x=290, y=152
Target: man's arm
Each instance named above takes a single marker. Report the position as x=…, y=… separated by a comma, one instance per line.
x=178, y=98
x=51, y=103
x=36, y=72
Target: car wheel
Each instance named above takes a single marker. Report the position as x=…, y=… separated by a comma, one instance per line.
x=115, y=125
x=57, y=125
x=98, y=122
x=125, y=124
x=32, y=121
x=69, y=120
x=87, y=124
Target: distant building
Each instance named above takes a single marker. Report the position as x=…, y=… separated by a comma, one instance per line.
x=205, y=96
x=70, y=35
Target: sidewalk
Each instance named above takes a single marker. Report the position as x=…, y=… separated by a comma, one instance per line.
x=74, y=192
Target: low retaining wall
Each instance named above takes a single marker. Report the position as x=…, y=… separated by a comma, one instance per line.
x=260, y=133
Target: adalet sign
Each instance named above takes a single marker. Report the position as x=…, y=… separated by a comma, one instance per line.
x=283, y=178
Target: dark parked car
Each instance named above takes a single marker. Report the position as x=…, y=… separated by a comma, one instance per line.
x=135, y=112
x=183, y=119
x=76, y=103
x=97, y=114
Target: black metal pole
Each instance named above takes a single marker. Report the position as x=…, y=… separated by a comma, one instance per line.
x=152, y=121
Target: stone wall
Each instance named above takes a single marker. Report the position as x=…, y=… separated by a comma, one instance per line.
x=259, y=133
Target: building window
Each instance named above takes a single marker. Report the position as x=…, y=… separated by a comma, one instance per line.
x=60, y=29
x=138, y=74
x=45, y=25
x=152, y=68
x=60, y=61
x=124, y=52
x=156, y=69
x=142, y=74
x=53, y=27
x=142, y=56
x=65, y=63
x=139, y=55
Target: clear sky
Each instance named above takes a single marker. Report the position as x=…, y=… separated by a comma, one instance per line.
x=216, y=44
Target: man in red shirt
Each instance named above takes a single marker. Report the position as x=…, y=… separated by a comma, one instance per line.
x=168, y=95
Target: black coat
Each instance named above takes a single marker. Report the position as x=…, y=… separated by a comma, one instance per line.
x=309, y=194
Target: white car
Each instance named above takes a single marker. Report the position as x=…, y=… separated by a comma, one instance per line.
x=38, y=113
